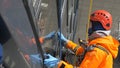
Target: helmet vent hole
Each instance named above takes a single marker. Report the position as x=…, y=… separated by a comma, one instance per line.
x=103, y=14
x=106, y=17
x=93, y=15
x=108, y=25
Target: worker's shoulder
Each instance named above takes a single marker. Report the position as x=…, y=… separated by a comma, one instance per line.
x=97, y=51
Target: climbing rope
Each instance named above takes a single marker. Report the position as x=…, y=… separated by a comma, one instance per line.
x=87, y=26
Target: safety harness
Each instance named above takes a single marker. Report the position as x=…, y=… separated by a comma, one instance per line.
x=87, y=49
x=91, y=47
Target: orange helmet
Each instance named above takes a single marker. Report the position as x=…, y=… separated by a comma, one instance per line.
x=103, y=17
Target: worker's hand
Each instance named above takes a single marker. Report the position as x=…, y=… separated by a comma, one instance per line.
x=50, y=61
x=63, y=64
x=50, y=35
x=61, y=37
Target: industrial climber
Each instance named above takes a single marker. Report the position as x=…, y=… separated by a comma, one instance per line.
x=102, y=47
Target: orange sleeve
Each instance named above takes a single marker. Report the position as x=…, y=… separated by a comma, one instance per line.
x=63, y=63
x=71, y=45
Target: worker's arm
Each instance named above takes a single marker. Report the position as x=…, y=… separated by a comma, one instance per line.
x=74, y=47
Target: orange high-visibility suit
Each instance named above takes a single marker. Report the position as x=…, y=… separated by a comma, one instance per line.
x=96, y=58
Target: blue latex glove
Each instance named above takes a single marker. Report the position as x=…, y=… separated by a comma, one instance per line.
x=62, y=37
x=50, y=61
x=50, y=35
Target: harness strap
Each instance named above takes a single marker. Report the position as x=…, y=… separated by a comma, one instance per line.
x=89, y=48
x=75, y=49
x=97, y=46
